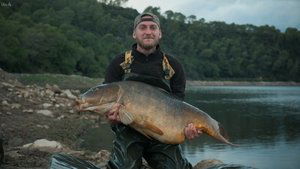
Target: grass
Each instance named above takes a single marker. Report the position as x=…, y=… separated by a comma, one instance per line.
x=63, y=81
x=82, y=83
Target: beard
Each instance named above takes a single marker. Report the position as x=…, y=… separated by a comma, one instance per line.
x=147, y=46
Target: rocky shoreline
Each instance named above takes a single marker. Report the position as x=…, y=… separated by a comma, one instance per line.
x=39, y=121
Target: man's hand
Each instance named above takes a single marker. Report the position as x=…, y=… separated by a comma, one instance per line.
x=191, y=132
x=113, y=114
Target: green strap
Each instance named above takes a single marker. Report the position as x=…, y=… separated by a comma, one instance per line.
x=167, y=68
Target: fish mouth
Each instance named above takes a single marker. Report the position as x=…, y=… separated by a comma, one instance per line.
x=82, y=105
x=90, y=109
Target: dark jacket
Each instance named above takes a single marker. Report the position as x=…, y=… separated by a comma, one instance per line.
x=150, y=66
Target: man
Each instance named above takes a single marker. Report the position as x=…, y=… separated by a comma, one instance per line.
x=146, y=63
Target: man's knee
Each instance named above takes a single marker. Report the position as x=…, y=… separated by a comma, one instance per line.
x=127, y=149
x=163, y=156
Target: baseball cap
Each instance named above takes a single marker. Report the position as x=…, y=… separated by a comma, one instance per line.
x=140, y=18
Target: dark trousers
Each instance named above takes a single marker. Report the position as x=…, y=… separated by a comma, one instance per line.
x=130, y=146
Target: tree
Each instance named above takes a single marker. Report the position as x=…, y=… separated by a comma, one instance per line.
x=191, y=18
x=82, y=36
x=169, y=14
x=114, y=2
x=154, y=10
x=179, y=17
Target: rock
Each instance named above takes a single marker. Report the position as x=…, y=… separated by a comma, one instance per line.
x=46, y=105
x=42, y=94
x=49, y=92
x=54, y=88
x=217, y=164
x=15, y=106
x=27, y=111
x=62, y=105
x=205, y=164
x=4, y=103
x=43, y=126
x=68, y=94
x=101, y=158
x=46, y=113
x=45, y=145
x=13, y=154
x=7, y=85
x=25, y=94
x=60, y=117
x=48, y=86
x=77, y=92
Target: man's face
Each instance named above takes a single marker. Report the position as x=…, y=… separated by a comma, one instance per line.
x=147, y=34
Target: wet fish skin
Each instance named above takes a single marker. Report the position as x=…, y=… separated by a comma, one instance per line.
x=154, y=113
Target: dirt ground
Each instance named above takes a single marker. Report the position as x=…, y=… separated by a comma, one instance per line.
x=29, y=113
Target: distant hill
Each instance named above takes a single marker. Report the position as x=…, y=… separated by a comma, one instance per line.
x=82, y=36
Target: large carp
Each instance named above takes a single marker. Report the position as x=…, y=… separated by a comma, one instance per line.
x=149, y=110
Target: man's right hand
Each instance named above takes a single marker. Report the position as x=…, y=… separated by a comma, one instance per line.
x=191, y=131
x=113, y=114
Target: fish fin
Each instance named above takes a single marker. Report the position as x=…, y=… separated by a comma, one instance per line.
x=153, y=128
x=125, y=117
x=145, y=134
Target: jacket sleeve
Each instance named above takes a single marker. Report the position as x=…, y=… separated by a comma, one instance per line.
x=178, y=81
x=114, y=71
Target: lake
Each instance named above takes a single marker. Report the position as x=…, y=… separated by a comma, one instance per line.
x=263, y=120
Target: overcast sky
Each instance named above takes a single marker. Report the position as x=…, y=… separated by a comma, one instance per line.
x=279, y=13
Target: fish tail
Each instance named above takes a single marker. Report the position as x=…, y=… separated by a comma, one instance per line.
x=223, y=131
x=224, y=135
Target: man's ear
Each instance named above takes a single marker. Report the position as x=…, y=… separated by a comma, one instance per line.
x=133, y=35
x=160, y=35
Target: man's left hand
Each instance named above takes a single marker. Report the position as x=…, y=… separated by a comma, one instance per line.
x=191, y=131
x=113, y=114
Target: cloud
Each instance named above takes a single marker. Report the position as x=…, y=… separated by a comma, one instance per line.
x=280, y=13
x=164, y=5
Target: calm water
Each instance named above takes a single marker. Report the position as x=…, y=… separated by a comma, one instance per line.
x=264, y=121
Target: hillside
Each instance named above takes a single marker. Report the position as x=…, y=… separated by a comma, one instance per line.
x=82, y=36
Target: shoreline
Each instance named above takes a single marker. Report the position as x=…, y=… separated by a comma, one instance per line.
x=239, y=83
x=82, y=82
